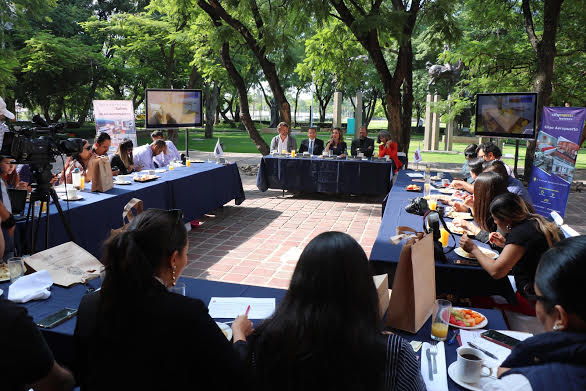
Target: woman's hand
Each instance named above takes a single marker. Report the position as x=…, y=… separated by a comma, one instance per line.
x=459, y=207
x=469, y=201
x=388, y=144
x=497, y=239
x=470, y=227
x=457, y=184
x=467, y=244
x=22, y=185
x=241, y=328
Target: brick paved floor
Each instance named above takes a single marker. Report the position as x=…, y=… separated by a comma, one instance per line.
x=259, y=241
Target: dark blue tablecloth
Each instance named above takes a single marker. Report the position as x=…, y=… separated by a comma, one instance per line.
x=60, y=338
x=450, y=278
x=196, y=190
x=310, y=175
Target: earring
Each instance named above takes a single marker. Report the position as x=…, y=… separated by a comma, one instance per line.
x=556, y=327
x=508, y=227
x=174, y=282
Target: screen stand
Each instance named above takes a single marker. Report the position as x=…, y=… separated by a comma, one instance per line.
x=187, y=142
x=516, y=157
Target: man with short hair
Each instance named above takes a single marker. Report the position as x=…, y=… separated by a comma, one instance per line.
x=102, y=144
x=363, y=144
x=171, y=153
x=514, y=185
x=490, y=151
x=143, y=156
x=312, y=144
x=283, y=141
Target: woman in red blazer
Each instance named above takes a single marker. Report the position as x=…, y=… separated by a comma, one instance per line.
x=388, y=148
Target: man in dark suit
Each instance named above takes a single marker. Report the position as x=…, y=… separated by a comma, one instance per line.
x=312, y=145
x=364, y=144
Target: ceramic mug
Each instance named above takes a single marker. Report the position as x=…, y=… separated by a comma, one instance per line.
x=469, y=365
x=71, y=193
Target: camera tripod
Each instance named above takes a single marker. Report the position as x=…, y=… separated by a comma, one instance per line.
x=43, y=192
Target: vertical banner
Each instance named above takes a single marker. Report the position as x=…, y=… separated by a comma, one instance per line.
x=116, y=117
x=555, y=157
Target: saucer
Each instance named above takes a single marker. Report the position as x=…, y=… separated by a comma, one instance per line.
x=226, y=330
x=122, y=182
x=76, y=198
x=469, y=386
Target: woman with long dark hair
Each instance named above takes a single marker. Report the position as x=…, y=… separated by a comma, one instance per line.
x=81, y=160
x=122, y=159
x=556, y=359
x=336, y=144
x=135, y=334
x=326, y=332
x=528, y=236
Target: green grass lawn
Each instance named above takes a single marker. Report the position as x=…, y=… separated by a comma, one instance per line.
x=238, y=141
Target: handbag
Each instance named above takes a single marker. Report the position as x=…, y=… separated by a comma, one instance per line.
x=431, y=225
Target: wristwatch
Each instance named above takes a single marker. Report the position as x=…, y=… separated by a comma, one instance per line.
x=9, y=222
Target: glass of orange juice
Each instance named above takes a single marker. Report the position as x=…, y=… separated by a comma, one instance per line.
x=188, y=163
x=171, y=167
x=293, y=153
x=445, y=235
x=440, y=319
x=432, y=204
x=82, y=182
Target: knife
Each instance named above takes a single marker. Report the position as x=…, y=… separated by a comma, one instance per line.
x=429, y=366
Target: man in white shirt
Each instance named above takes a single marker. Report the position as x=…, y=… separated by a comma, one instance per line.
x=171, y=153
x=143, y=156
x=4, y=113
x=283, y=141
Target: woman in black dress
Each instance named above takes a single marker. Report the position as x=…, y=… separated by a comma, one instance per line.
x=122, y=159
x=336, y=143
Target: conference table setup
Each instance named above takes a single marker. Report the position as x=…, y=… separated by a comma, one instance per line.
x=313, y=174
x=453, y=277
x=196, y=190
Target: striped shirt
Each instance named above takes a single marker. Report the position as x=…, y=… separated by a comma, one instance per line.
x=402, y=366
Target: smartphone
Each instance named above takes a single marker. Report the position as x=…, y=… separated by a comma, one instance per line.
x=500, y=338
x=57, y=318
x=468, y=262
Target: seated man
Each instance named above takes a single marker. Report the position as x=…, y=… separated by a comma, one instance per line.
x=514, y=185
x=102, y=145
x=171, y=153
x=363, y=144
x=489, y=151
x=312, y=145
x=283, y=141
x=27, y=361
x=143, y=156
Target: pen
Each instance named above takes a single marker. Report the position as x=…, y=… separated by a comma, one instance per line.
x=456, y=332
x=489, y=354
x=247, y=309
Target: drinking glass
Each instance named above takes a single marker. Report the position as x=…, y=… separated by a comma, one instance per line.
x=445, y=236
x=15, y=268
x=426, y=190
x=440, y=319
x=432, y=204
x=178, y=288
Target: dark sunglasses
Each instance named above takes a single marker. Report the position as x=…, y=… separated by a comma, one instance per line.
x=88, y=148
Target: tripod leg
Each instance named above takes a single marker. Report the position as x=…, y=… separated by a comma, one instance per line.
x=61, y=214
x=29, y=246
x=46, y=224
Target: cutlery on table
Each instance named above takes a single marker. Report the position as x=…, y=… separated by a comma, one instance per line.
x=433, y=349
x=429, y=366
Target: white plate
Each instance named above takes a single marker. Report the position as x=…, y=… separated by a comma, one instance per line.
x=61, y=188
x=457, y=230
x=469, y=386
x=459, y=215
x=76, y=198
x=460, y=251
x=478, y=326
x=227, y=330
x=122, y=182
x=447, y=191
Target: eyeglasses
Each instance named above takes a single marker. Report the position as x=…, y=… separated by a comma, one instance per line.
x=88, y=148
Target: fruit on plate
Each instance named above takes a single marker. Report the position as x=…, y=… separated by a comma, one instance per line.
x=465, y=318
x=413, y=188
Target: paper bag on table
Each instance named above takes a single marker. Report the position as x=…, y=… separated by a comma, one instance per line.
x=413, y=294
x=127, y=214
x=102, y=175
x=67, y=264
x=381, y=282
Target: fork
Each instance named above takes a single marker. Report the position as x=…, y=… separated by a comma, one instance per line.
x=433, y=351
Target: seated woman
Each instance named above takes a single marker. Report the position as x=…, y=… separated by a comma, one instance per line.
x=476, y=167
x=82, y=160
x=122, y=159
x=336, y=143
x=528, y=236
x=556, y=359
x=326, y=332
x=388, y=148
x=134, y=334
x=10, y=175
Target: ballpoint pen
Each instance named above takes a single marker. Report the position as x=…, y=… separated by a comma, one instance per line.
x=456, y=333
x=489, y=354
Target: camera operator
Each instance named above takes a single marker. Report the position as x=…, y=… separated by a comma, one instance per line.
x=4, y=114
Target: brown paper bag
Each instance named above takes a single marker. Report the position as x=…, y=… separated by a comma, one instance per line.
x=127, y=215
x=381, y=282
x=413, y=292
x=102, y=175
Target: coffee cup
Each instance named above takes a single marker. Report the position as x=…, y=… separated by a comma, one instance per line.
x=469, y=365
x=71, y=192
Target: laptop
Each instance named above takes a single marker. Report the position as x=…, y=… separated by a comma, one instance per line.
x=18, y=201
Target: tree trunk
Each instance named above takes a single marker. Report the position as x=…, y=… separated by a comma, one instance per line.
x=296, y=101
x=238, y=82
x=407, y=100
x=88, y=102
x=211, y=104
x=545, y=51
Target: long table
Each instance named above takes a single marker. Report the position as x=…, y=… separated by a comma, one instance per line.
x=195, y=190
x=60, y=338
x=450, y=278
x=316, y=174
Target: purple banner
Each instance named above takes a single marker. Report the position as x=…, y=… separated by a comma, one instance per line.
x=555, y=157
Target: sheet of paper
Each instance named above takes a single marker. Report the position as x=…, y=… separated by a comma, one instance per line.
x=232, y=307
x=415, y=175
x=500, y=351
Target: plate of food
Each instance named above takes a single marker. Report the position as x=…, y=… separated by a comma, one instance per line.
x=76, y=198
x=436, y=178
x=464, y=318
x=226, y=329
x=486, y=251
x=117, y=182
x=413, y=188
x=457, y=230
x=4, y=272
x=459, y=215
x=145, y=178
x=447, y=190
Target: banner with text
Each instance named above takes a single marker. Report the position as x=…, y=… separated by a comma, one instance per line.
x=116, y=117
x=555, y=157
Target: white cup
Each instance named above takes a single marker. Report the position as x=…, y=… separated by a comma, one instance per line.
x=469, y=365
x=71, y=192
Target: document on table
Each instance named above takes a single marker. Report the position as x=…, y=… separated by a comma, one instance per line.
x=500, y=351
x=415, y=175
x=232, y=307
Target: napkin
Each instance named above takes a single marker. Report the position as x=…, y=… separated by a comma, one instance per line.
x=440, y=379
x=35, y=286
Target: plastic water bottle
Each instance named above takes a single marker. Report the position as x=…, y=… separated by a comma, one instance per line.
x=76, y=178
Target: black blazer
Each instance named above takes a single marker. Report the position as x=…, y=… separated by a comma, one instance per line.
x=366, y=146
x=164, y=341
x=318, y=146
x=340, y=149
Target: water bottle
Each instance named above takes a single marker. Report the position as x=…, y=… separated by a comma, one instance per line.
x=427, y=184
x=76, y=179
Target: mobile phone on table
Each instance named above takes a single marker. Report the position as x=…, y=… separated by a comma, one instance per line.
x=500, y=338
x=57, y=318
x=467, y=262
